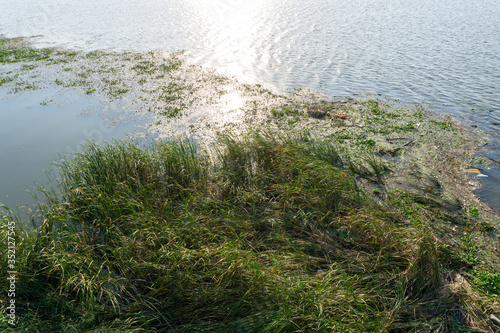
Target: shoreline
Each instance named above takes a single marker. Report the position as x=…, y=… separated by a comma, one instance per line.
x=182, y=98
x=321, y=179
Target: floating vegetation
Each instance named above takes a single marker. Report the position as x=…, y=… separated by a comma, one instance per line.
x=150, y=82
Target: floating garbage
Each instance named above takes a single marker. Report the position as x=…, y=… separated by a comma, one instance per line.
x=477, y=172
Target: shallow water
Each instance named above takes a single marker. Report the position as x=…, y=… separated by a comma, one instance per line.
x=444, y=53
x=34, y=135
x=490, y=191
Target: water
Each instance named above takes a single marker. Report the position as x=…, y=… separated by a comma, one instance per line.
x=443, y=53
x=35, y=134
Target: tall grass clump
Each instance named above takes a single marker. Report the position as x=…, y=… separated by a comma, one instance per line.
x=265, y=232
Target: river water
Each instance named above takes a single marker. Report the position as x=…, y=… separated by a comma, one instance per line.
x=442, y=53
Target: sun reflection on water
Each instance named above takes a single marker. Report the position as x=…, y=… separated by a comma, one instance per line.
x=232, y=101
x=229, y=109
x=233, y=32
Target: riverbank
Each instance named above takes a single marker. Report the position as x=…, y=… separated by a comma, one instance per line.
x=345, y=215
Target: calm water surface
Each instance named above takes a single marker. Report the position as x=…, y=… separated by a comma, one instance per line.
x=34, y=135
x=444, y=53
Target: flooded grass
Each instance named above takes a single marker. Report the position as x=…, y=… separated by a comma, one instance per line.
x=346, y=215
x=151, y=82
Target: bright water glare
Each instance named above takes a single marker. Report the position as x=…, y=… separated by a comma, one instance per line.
x=444, y=52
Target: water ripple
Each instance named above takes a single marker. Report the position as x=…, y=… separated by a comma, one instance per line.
x=446, y=53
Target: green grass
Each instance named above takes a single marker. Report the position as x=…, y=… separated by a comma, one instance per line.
x=171, y=92
x=17, y=54
x=145, y=67
x=95, y=54
x=172, y=64
x=4, y=80
x=261, y=233
x=285, y=112
x=150, y=67
x=488, y=281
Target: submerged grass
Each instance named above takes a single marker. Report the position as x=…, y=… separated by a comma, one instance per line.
x=16, y=54
x=161, y=83
x=261, y=233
